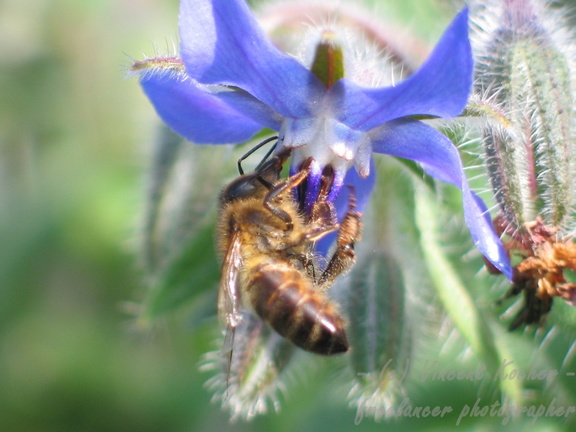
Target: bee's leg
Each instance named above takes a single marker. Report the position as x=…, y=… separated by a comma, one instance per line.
x=344, y=255
x=323, y=218
x=318, y=227
x=305, y=261
x=280, y=189
x=324, y=214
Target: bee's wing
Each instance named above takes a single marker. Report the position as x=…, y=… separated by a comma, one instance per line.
x=228, y=293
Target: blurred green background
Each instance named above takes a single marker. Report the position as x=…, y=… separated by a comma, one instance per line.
x=75, y=138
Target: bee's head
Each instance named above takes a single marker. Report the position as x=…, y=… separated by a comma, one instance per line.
x=258, y=182
x=243, y=187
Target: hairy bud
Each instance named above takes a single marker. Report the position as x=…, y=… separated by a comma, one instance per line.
x=524, y=71
x=525, y=89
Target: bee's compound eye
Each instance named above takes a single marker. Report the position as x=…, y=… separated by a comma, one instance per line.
x=242, y=187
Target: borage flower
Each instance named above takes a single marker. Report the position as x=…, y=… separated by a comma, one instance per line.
x=232, y=82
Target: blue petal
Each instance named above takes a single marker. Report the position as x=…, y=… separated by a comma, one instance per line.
x=362, y=188
x=203, y=117
x=414, y=140
x=222, y=43
x=439, y=88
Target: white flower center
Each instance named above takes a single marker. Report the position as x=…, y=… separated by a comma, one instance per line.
x=328, y=142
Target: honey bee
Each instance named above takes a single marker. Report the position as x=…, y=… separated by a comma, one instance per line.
x=269, y=266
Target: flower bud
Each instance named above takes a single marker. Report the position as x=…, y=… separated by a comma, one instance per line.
x=249, y=369
x=178, y=225
x=379, y=334
x=524, y=87
x=524, y=72
x=328, y=64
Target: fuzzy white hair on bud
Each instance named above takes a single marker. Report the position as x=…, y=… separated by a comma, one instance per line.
x=525, y=62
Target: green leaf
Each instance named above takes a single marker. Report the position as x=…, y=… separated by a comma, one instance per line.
x=456, y=299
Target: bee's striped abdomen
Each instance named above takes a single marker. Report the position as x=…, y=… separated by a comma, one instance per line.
x=285, y=299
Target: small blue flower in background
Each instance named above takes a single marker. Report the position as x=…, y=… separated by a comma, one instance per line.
x=232, y=82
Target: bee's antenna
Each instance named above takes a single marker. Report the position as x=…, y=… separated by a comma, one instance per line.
x=267, y=155
x=253, y=149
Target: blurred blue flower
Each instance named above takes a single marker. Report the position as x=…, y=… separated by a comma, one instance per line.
x=233, y=82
